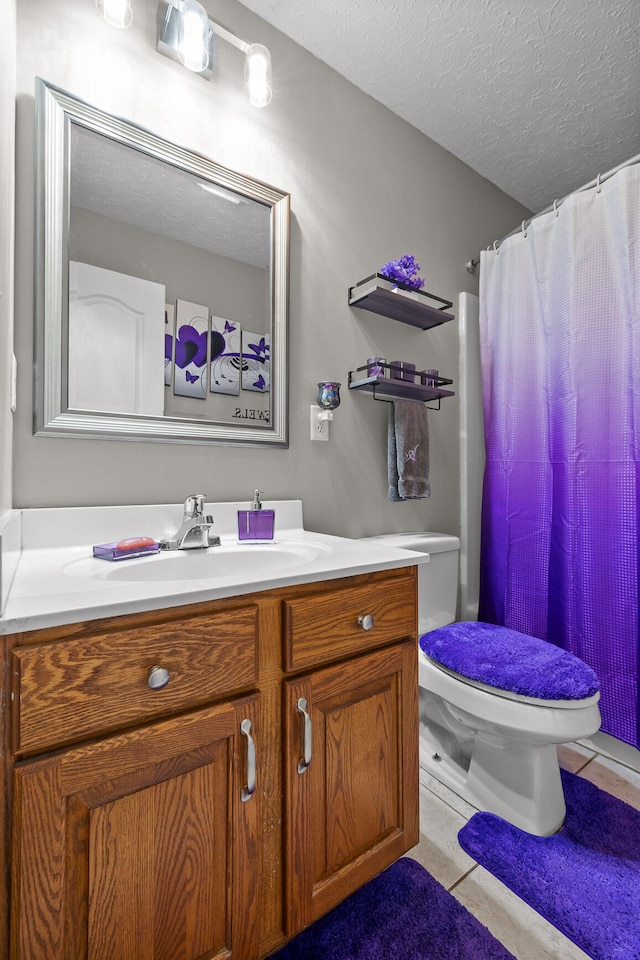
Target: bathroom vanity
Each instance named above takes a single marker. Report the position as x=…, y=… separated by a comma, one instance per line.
x=203, y=779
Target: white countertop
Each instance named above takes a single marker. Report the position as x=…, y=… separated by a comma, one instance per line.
x=58, y=581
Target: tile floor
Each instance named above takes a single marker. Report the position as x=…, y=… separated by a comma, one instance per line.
x=523, y=931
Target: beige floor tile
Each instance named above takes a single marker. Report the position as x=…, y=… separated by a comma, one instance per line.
x=448, y=796
x=573, y=756
x=523, y=931
x=613, y=777
x=438, y=850
x=608, y=746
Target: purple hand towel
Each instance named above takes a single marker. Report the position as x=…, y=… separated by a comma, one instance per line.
x=408, y=450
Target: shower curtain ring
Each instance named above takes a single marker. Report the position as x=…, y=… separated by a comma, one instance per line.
x=555, y=208
x=598, y=187
x=495, y=247
x=524, y=232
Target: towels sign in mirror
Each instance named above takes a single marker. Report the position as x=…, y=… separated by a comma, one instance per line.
x=162, y=284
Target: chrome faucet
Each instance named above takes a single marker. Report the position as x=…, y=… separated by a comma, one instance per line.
x=194, y=532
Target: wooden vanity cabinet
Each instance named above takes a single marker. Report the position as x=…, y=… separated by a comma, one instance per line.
x=138, y=846
x=353, y=809
x=133, y=832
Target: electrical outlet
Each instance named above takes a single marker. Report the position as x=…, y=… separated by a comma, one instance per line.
x=319, y=428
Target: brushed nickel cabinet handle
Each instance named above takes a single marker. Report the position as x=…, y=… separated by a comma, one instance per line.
x=366, y=622
x=247, y=791
x=158, y=677
x=301, y=707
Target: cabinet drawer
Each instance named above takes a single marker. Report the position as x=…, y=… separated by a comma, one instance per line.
x=326, y=626
x=67, y=690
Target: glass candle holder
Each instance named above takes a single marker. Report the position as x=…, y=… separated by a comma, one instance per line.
x=329, y=395
x=429, y=378
x=375, y=366
x=402, y=370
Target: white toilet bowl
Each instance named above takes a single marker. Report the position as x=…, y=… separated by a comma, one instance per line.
x=496, y=749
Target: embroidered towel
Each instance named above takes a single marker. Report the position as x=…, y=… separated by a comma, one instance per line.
x=408, y=450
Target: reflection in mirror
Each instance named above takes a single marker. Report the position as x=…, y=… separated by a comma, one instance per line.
x=163, y=287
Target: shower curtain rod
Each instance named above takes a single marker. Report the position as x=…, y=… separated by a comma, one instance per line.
x=472, y=264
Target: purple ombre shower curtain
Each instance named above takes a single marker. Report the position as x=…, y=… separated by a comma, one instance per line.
x=560, y=349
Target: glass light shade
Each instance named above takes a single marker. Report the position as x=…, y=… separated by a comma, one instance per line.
x=257, y=75
x=329, y=394
x=193, y=36
x=117, y=13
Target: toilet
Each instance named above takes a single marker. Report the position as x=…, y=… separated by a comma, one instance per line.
x=494, y=703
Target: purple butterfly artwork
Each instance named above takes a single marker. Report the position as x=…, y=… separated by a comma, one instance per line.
x=191, y=350
x=226, y=359
x=256, y=362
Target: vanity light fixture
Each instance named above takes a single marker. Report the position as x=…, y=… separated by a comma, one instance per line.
x=257, y=74
x=186, y=22
x=194, y=36
x=117, y=13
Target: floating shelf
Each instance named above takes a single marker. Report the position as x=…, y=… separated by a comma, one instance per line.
x=388, y=388
x=380, y=295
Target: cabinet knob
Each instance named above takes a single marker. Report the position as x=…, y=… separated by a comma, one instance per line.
x=158, y=677
x=366, y=621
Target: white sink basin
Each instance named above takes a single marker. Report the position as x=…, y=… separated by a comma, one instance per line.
x=227, y=560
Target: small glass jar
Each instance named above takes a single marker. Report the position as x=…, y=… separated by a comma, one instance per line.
x=375, y=366
x=429, y=378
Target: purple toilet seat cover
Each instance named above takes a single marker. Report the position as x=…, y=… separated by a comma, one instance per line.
x=509, y=660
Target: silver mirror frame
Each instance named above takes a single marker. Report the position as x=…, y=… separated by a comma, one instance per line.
x=55, y=111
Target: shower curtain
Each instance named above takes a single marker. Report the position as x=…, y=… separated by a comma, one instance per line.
x=560, y=349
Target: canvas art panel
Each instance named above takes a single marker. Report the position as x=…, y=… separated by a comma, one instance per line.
x=169, y=333
x=226, y=356
x=191, y=350
x=256, y=362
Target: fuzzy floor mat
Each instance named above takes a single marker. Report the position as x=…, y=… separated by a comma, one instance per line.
x=402, y=914
x=585, y=879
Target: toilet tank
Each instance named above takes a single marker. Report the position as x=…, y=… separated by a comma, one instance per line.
x=437, y=580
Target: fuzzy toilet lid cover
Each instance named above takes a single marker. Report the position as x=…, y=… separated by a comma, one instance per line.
x=509, y=660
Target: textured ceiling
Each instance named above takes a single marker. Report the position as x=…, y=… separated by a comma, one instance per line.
x=538, y=96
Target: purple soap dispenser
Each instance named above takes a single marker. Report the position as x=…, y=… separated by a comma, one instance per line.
x=256, y=524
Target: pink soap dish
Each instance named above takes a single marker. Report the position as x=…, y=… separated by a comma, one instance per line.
x=126, y=549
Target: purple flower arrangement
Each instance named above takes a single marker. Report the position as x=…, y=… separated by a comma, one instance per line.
x=403, y=271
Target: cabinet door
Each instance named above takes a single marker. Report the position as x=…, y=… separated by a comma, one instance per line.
x=352, y=804
x=141, y=846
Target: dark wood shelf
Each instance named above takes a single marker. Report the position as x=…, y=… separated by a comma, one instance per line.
x=379, y=295
x=389, y=388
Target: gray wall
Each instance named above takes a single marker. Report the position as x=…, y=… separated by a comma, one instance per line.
x=7, y=145
x=365, y=187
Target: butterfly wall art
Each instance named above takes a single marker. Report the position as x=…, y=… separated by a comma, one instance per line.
x=191, y=350
x=226, y=356
x=256, y=362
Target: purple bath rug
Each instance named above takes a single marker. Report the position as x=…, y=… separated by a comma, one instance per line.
x=402, y=914
x=585, y=879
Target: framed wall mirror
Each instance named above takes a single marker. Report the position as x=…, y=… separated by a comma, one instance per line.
x=161, y=287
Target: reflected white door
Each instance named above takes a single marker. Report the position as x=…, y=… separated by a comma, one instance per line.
x=116, y=342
